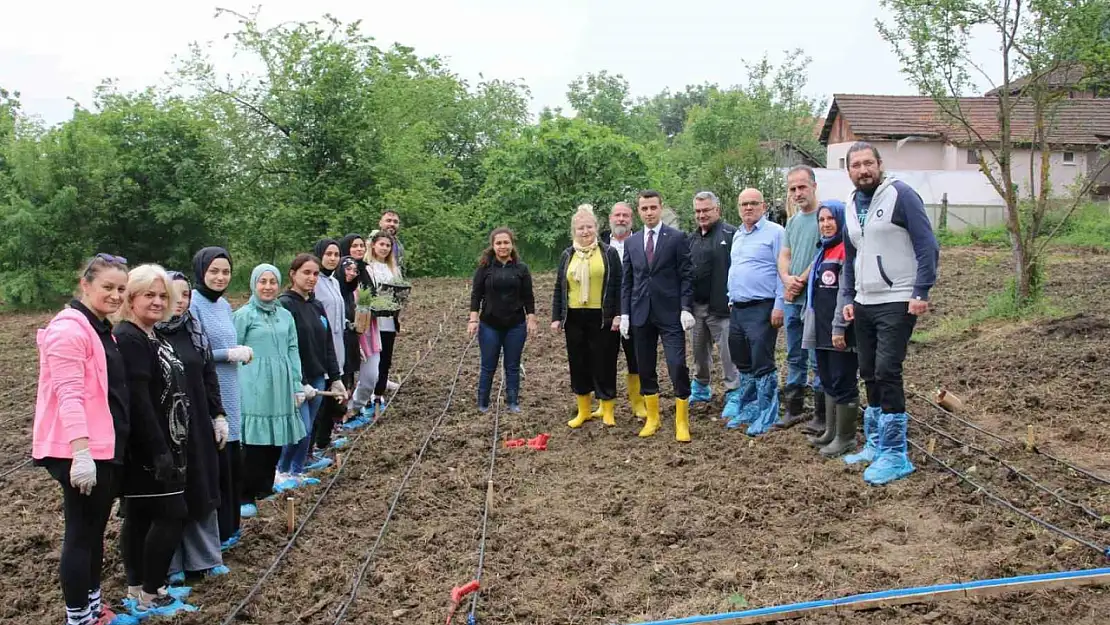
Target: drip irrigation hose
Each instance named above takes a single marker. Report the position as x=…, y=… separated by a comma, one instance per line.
x=1089, y=512
x=489, y=495
x=14, y=468
x=401, y=489
x=1002, y=439
x=1105, y=551
x=234, y=614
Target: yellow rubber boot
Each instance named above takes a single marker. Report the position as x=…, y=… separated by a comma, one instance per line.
x=584, y=414
x=607, y=409
x=651, y=426
x=682, y=420
x=639, y=410
x=598, y=412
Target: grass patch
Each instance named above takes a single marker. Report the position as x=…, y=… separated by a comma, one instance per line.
x=1089, y=227
x=1000, y=307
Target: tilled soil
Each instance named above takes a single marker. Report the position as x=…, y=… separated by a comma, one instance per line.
x=603, y=527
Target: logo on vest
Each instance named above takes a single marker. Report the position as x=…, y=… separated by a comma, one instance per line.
x=828, y=277
x=879, y=214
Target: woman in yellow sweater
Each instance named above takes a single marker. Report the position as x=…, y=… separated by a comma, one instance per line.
x=586, y=306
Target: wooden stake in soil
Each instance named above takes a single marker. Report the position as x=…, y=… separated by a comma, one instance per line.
x=338, y=460
x=290, y=513
x=489, y=495
x=931, y=445
x=1030, y=440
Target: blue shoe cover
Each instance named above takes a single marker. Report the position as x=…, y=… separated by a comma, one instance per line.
x=125, y=619
x=318, y=464
x=248, y=511
x=176, y=579
x=893, y=462
x=229, y=543
x=699, y=392
x=871, y=434
x=217, y=571
x=340, y=442
x=179, y=592
x=308, y=481
x=732, y=404
x=767, y=406
x=286, y=485
x=169, y=610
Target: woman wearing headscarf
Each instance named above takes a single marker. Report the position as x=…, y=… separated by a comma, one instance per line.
x=199, y=551
x=155, y=474
x=270, y=384
x=329, y=293
x=212, y=272
x=354, y=245
x=826, y=331
x=348, y=285
x=586, y=306
x=81, y=427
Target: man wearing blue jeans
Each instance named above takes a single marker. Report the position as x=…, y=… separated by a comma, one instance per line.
x=799, y=245
x=890, y=263
x=756, y=313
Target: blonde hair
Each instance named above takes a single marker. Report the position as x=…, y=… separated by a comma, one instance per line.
x=583, y=211
x=140, y=279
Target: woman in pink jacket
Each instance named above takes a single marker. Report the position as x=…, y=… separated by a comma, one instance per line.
x=81, y=427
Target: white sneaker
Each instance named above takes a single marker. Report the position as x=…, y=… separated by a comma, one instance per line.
x=390, y=385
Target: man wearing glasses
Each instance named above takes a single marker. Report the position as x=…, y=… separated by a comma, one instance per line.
x=755, y=293
x=710, y=246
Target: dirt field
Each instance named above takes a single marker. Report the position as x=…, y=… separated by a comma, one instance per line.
x=605, y=528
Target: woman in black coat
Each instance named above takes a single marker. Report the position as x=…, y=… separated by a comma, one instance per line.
x=199, y=551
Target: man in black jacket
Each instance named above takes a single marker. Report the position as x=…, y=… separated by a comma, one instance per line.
x=620, y=230
x=710, y=250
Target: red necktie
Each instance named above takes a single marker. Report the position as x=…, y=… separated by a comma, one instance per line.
x=651, y=246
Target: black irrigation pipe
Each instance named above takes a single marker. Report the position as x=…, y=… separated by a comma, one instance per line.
x=489, y=501
x=1041, y=487
x=1105, y=551
x=234, y=614
x=401, y=489
x=15, y=468
x=1002, y=439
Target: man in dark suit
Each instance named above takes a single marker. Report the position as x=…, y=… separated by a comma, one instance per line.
x=657, y=295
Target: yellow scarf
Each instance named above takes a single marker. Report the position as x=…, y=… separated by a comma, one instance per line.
x=582, y=270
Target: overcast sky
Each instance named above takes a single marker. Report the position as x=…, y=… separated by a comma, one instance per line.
x=52, y=50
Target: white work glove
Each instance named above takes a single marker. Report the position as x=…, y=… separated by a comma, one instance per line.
x=222, y=431
x=309, y=391
x=298, y=399
x=240, y=353
x=82, y=472
x=687, y=321
x=624, y=326
x=338, y=388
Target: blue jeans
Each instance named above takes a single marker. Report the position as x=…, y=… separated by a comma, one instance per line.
x=797, y=369
x=491, y=342
x=294, y=456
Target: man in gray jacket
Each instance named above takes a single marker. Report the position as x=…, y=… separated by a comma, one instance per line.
x=890, y=264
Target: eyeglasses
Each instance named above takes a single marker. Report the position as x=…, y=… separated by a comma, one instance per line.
x=751, y=203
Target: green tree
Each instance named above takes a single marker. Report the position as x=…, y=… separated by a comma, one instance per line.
x=1037, y=39
x=535, y=182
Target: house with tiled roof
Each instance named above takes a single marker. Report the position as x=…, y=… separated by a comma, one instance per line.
x=914, y=133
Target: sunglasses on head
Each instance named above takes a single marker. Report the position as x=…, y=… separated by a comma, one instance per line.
x=108, y=258
x=176, y=275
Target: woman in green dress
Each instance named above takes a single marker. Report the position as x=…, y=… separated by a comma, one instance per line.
x=270, y=384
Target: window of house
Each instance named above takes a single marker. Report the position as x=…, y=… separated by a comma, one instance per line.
x=973, y=157
x=1069, y=158
x=842, y=163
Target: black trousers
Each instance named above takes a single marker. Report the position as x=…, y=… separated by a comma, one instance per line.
x=388, y=340
x=591, y=353
x=629, y=346
x=231, y=485
x=838, y=373
x=152, y=529
x=882, y=336
x=647, y=338
x=86, y=516
x=330, y=413
x=259, y=467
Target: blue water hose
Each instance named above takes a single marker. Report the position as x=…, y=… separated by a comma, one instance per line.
x=885, y=594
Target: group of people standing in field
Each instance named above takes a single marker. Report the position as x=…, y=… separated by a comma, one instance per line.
x=847, y=280
x=153, y=390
